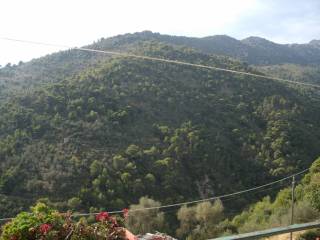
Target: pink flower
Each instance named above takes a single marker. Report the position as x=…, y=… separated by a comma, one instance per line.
x=114, y=222
x=45, y=228
x=125, y=212
x=102, y=216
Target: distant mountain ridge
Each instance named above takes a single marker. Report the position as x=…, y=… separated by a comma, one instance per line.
x=315, y=43
x=253, y=50
x=297, y=62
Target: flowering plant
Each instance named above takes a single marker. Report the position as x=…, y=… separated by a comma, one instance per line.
x=44, y=223
x=45, y=228
x=103, y=216
x=125, y=213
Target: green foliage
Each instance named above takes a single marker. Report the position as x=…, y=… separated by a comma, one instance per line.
x=312, y=188
x=294, y=72
x=146, y=221
x=309, y=235
x=74, y=203
x=200, y=221
x=24, y=225
x=87, y=131
x=267, y=213
x=45, y=223
x=256, y=218
x=254, y=50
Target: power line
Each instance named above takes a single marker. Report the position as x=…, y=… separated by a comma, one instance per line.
x=217, y=197
x=190, y=202
x=180, y=63
x=123, y=54
x=233, y=198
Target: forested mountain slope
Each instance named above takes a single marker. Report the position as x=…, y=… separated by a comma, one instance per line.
x=273, y=212
x=253, y=50
x=105, y=134
x=58, y=66
x=293, y=72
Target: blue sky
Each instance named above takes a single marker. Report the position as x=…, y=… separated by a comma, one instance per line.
x=283, y=21
x=80, y=22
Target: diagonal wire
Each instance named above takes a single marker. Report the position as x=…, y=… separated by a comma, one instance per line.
x=123, y=54
x=191, y=202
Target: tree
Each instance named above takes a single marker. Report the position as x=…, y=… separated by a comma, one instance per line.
x=145, y=221
x=200, y=221
x=312, y=190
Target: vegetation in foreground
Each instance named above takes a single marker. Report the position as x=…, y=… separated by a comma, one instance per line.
x=45, y=223
x=202, y=221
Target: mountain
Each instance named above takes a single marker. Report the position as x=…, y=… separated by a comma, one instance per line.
x=253, y=50
x=315, y=43
x=302, y=58
x=293, y=72
x=89, y=131
x=274, y=212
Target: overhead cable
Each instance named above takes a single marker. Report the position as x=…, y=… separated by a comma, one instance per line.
x=124, y=54
x=190, y=202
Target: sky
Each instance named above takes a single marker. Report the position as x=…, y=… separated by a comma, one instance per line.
x=80, y=22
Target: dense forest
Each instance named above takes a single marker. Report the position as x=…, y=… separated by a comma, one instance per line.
x=293, y=72
x=253, y=50
x=90, y=132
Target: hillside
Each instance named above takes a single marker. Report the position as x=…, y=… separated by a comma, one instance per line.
x=253, y=50
x=58, y=66
x=270, y=212
x=267, y=56
x=112, y=130
x=294, y=72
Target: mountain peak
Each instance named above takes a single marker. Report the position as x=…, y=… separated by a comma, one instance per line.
x=315, y=42
x=253, y=40
x=220, y=37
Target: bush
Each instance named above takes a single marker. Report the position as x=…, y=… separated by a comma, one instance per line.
x=310, y=235
x=201, y=221
x=47, y=224
x=146, y=221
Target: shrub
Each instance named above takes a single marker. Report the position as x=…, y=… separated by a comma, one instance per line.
x=310, y=235
x=47, y=224
x=146, y=220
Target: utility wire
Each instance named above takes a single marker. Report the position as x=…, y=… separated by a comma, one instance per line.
x=123, y=54
x=233, y=198
x=180, y=63
x=190, y=202
x=216, y=197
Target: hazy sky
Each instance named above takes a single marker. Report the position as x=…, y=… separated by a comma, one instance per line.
x=80, y=22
